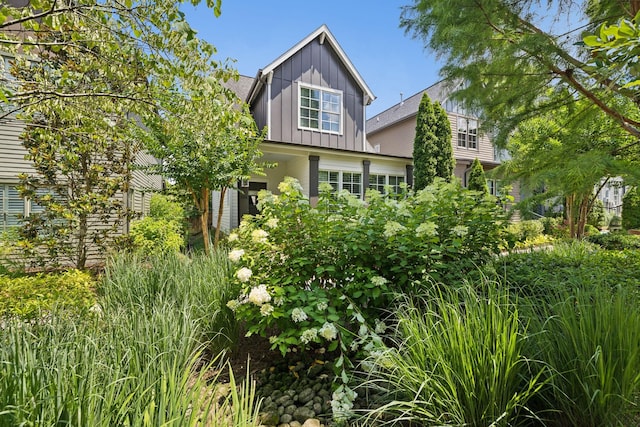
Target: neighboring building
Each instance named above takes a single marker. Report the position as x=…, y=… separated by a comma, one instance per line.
x=611, y=194
x=313, y=102
x=393, y=132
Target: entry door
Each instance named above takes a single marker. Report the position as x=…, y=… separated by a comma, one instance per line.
x=248, y=199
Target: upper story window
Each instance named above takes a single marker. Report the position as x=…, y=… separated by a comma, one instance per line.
x=467, y=133
x=320, y=109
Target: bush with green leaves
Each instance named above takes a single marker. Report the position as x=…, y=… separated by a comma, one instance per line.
x=597, y=216
x=317, y=276
x=631, y=209
x=153, y=236
x=34, y=296
x=526, y=230
x=616, y=240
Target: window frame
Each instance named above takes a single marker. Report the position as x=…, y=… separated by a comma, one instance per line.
x=340, y=184
x=467, y=137
x=387, y=182
x=321, y=110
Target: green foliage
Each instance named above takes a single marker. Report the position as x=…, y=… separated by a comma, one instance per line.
x=615, y=222
x=432, y=150
x=33, y=297
x=310, y=276
x=617, y=240
x=553, y=226
x=165, y=207
x=597, y=216
x=477, y=181
x=631, y=209
x=588, y=337
x=152, y=236
x=458, y=359
x=524, y=230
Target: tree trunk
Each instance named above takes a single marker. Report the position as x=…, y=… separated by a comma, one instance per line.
x=582, y=216
x=204, y=218
x=216, y=238
x=570, y=215
x=81, y=248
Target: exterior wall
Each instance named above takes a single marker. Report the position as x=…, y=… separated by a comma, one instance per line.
x=12, y=162
x=229, y=220
x=316, y=65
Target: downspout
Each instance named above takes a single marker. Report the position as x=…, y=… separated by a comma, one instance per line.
x=365, y=100
x=269, y=80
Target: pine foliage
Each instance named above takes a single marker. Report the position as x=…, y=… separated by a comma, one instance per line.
x=477, y=180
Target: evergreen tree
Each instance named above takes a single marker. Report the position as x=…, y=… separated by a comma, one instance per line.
x=477, y=180
x=631, y=210
x=432, y=152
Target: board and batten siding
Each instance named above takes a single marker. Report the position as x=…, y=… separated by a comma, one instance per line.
x=316, y=65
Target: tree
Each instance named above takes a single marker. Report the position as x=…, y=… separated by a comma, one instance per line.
x=631, y=209
x=477, y=180
x=432, y=151
x=521, y=59
x=207, y=140
x=567, y=162
x=85, y=75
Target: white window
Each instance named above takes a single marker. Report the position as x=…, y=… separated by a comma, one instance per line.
x=494, y=187
x=379, y=182
x=467, y=133
x=350, y=181
x=320, y=109
x=12, y=207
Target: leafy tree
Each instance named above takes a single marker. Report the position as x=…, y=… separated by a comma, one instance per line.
x=432, y=151
x=208, y=141
x=509, y=54
x=477, y=179
x=631, y=209
x=567, y=162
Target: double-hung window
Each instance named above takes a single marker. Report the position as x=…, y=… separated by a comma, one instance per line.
x=467, y=133
x=379, y=182
x=350, y=181
x=12, y=207
x=320, y=109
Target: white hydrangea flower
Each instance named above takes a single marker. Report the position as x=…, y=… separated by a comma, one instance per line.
x=325, y=187
x=392, y=228
x=342, y=403
x=460, y=230
x=244, y=274
x=378, y=280
x=259, y=236
x=427, y=229
x=233, y=304
x=233, y=237
x=363, y=331
x=278, y=301
x=236, y=254
x=298, y=315
x=328, y=331
x=259, y=295
x=309, y=335
x=266, y=309
x=380, y=327
x=289, y=185
x=272, y=222
x=322, y=306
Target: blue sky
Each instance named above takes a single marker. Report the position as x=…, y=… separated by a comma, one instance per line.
x=255, y=32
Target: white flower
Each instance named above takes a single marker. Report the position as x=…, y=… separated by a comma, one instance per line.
x=236, y=254
x=380, y=327
x=259, y=236
x=325, y=187
x=309, y=335
x=391, y=228
x=363, y=331
x=259, y=295
x=290, y=185
x=244, y=274
x=378, y=280
x=322, y=306
x=278, y=301
x=266, y=309
x=272, y=222
x=460, y=230
x=233, y=237
x=298, y=315
x=427, y=229
x=328, y=331
x=233, y=304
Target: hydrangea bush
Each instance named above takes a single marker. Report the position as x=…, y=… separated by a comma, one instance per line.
x=322, y=276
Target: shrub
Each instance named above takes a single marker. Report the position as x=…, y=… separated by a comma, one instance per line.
x=631, y=209
x=590, y=230
x=31, y=297
x=458, y=360
x=526, y=230
x=615, y=222
x=154, y=236
x=311, y=276
x=554, y=226
x=617, y=240
x=597, y=215
x=165, y=207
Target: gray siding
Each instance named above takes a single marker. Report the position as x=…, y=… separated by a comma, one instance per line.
x=12, y=162
x=318, y=65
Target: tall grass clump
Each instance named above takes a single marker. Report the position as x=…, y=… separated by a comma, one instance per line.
x=589, y=337
x=458, y=360
x=200, y=284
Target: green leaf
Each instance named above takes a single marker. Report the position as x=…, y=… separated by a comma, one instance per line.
x=333, y=346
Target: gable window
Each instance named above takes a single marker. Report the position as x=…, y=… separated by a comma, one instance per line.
x=320, y=109
x=350, y=181
x=467, y=133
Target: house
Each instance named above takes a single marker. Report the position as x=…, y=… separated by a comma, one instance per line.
x=313, y=102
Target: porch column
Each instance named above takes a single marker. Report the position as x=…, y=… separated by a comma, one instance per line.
x=409, y=175
x=314, y=165
x=365, y=176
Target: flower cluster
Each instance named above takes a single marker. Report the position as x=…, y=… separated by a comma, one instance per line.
x=259, y=236
x=392, y=228
x=342, y=403
x=259, y=295
x=427, y=229
x=244, y=274
x=298, y=315
x=460, y=230
x=328, y=331
x=236, y=254
x=309, y=335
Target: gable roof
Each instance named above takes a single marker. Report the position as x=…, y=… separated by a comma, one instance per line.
x=240, y=87
x=409, y=107
x=325, y=36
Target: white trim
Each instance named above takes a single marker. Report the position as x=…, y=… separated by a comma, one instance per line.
x=324, y=31
x=302, y=85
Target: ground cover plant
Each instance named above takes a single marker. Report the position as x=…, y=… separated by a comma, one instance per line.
x=617, y=240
